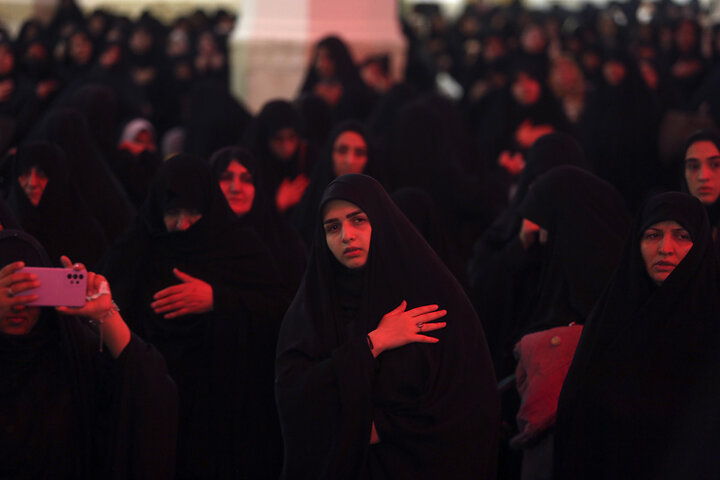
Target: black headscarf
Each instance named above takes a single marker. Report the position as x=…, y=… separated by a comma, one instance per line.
x=221, y=360
x=435, y=406
x=7, y=217
x=61, y=221
x=503, y=276
x=99, y=188
x=587, y=224
x=642, y=394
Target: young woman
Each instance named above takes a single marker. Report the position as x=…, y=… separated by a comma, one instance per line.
x=382, y=368
x=701, y=175
x=641, y=397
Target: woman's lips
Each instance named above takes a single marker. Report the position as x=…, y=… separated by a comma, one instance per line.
x=663, y=265
x=352, y=251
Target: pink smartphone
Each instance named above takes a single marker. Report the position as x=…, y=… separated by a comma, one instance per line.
x=59, y=287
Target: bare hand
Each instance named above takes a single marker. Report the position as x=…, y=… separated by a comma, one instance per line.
x=290, y=192
x=527, y=133
x=12, y=284
x=98, y=292
x=514, y=163
x=400, y=327
x=114, y=332
x=192, y=296
x=530, y=232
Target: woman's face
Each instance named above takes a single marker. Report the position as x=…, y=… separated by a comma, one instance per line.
x=20, y=320
x=663, y=245
x=236, y=182
x=349, y=153
x=81, y=48
x=180, y=219
x=324, y=64
x=614, y=72
x=284, y=143
x=347, y=233
x=33, y=183
x=526, y=89
x=702, y=171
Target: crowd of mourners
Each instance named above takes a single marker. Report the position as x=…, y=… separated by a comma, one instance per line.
x=504, y=265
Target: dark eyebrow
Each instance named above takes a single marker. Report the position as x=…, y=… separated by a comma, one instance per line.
x=349, y=215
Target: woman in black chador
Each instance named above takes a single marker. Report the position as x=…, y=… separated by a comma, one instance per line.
x=50, y=208
x=68, y=410
x=382, y=368
x=206, y=291
x=642, y=397
x=238, y=174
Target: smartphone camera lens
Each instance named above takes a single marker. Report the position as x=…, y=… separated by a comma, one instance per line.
x=75, y=275
x=81, y=276
x=69, y=275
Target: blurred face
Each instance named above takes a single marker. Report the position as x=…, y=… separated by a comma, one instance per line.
x=80, y=48
x=284, y=143
x=349, y=154
x=663, y=246
x=20, y=320
x=236, y=182
x=702, y=171
x=347, y=233
x=526, y=89
x=7, y=60
x=33, y=183
x=614, y=72
x=180, y=219
x=324, y=65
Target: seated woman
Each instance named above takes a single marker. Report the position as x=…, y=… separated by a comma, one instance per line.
x=67, y=410
x=205, y=290
x=236, y=171
x=701, y=175
x=641, y=398
x=368, y=383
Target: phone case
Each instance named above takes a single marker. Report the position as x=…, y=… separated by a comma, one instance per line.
x=58, y=287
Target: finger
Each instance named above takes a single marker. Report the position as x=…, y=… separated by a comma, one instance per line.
x=183, y=276
x=8, y=270
x=399, y=308
x=430, y=316
x=421, y=310
x=167, y=301
x=169, y=307
x=22, y=286
x=22, y=300
x=425, y=339
x=65, y=261
x=165, y=292
x=429, y=327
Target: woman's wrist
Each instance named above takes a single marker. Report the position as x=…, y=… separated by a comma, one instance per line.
x=375, y=343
